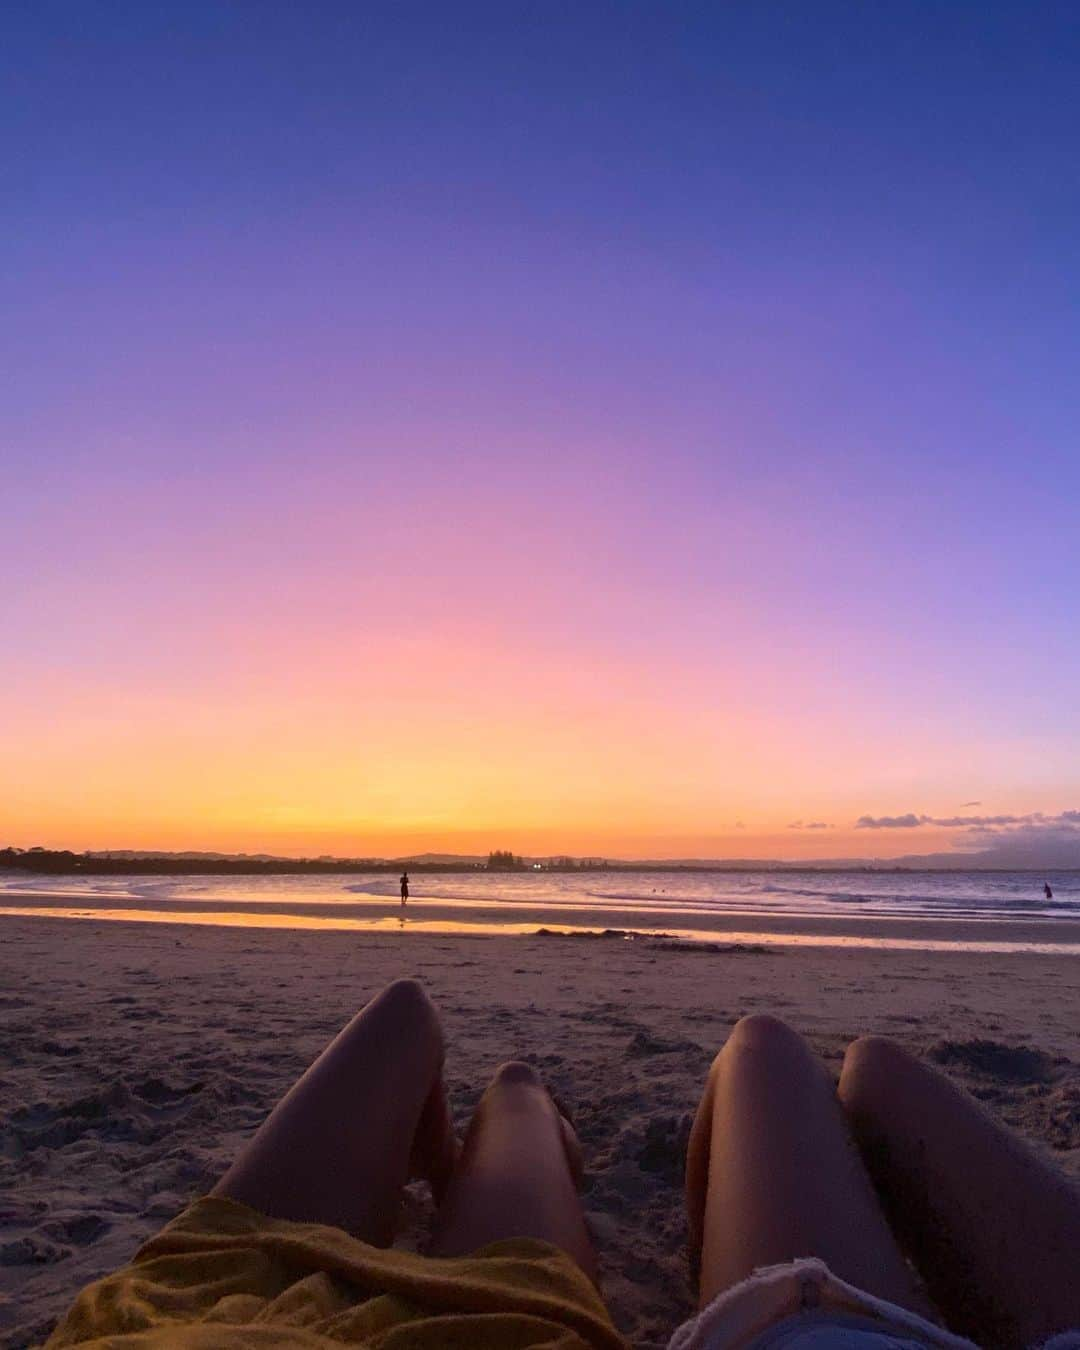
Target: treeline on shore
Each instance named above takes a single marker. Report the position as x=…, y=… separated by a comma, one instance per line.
x=60, y=861
x=63, y=860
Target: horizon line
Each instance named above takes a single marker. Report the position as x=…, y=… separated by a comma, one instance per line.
x=524, y=862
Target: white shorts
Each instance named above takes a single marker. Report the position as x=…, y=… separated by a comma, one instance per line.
x=802, y=1305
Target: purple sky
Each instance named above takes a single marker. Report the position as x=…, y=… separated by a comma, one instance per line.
x=591, y=425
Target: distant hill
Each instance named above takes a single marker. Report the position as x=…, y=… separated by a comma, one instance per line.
x=195, y=855
x=447, y=859
x=1014, y=855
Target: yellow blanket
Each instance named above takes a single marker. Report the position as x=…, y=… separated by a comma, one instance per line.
x=223, y=1275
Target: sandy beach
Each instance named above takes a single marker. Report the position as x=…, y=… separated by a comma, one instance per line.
x=137, y=1058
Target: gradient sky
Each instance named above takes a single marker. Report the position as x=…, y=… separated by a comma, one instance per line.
x=620, y=428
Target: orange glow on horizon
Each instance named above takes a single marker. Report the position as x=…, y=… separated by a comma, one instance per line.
x=449, y=743
x=300, y=721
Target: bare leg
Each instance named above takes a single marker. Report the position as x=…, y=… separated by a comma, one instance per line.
x=993, y=1228
x=515, y=1177
x=340, y=1145
x=772, y=1174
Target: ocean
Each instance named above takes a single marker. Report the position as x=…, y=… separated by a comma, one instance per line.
x=988, y=910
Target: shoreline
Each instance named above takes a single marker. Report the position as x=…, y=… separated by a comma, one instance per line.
x=179, y=864
x=473, y=918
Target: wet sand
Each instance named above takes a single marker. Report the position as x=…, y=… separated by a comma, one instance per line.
x=492, y=917
x=136, y=1058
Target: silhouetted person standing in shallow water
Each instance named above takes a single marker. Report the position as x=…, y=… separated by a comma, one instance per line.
x=404, y=888
x=1047, y=891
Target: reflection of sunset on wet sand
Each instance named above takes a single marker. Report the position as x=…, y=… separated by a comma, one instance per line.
x=986, y=937
x=309, y=922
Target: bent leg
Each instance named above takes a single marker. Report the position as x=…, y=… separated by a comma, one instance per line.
x=772, y=1174
x=994, y=1229
x=515, y=1177
x=339, y=1146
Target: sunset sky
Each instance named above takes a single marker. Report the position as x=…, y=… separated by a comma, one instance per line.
x=637, y=429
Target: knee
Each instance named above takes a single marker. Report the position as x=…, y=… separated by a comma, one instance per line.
x=876, y=1054
x=760, y=1035
x=765, y=1033
x=873, y=1067
x=406, y=998
x=516, y=1073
